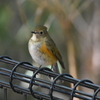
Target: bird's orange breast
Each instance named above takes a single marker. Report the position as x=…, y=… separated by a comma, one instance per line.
x=48, y=54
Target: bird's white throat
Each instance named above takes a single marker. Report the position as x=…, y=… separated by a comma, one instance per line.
x=35, y=37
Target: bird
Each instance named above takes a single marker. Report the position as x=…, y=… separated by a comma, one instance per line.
x=43, y=50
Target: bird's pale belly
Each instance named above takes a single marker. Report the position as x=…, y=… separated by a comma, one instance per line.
x=41, y=56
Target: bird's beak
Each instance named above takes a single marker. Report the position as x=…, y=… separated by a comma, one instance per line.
x=32, y=32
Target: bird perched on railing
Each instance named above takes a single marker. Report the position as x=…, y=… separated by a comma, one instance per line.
x=43, y=49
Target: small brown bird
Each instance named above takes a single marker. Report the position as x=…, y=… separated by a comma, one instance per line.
x=43, y=49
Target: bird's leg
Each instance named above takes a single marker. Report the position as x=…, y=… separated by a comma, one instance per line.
x=51, y=67
x=40, y=66
x=52, y=70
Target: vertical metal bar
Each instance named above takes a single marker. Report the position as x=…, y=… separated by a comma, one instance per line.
x=25, y=96
x=5, y=93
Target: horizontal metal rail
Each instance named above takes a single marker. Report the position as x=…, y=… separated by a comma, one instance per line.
x=50, y=86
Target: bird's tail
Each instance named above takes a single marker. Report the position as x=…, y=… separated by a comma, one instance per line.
x=55, y=68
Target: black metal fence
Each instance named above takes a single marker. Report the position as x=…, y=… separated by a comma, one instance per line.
x=51, y=86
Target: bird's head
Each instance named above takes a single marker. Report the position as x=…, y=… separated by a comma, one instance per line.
x=39, y=33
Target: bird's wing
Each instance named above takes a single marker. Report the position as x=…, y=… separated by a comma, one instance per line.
x=53, y=49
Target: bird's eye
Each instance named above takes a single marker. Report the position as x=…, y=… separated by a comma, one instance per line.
x=41, y=32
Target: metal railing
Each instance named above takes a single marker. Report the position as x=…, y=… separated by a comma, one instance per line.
x=51, y=86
